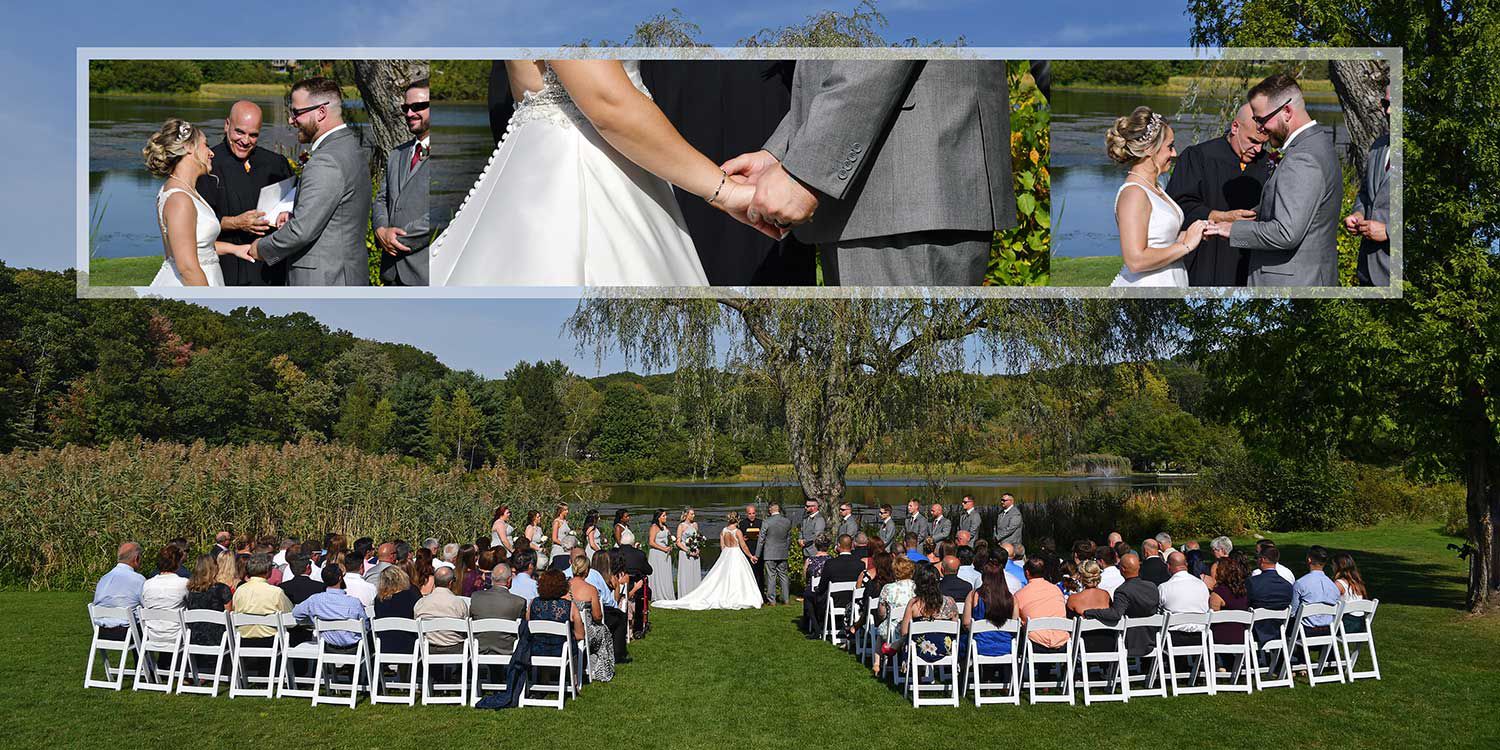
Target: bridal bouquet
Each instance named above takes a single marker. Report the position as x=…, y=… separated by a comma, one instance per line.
x=694, y=544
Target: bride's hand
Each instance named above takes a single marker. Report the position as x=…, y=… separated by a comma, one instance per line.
x=1194, y=234
x=242, y=252
x=734, y=199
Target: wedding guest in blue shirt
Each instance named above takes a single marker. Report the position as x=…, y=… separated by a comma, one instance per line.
x=1315, y=588
x=120, y=587
x=333, y=603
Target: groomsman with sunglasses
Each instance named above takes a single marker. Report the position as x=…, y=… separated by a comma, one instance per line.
x=403, y=228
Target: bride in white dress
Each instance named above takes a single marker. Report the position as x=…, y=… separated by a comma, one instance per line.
x=731, y=582
x=579, y=190
x=1152, y=241
x=180, y=153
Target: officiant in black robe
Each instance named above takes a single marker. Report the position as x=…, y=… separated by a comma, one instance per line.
x=1210, y=179
x=723, y=108
x=234, y=188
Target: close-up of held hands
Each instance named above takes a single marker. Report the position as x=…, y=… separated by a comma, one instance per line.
x=760, y=193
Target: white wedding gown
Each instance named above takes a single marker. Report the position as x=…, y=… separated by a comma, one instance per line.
x=558, y=206
x=207, y=231
x=729, y=585
x=1162, y=230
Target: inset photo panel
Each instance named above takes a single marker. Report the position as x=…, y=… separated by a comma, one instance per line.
x=1260, y=174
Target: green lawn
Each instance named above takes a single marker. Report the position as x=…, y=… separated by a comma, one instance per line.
x=750, y=679
x=1097, y=270
x=137, y=271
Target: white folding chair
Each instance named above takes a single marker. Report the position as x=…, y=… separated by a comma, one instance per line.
x=480, y=663
x=1327, y=643
x=1195, y=654
x=836, y=617
x=945, y=691
x=192, y=652
x=1113, y=671
x=867, y=639
x=435, y=664
x=1237, y=657
x=1009, y=689
x=1272, y=667
x=380, y=679
x=100, y=648
x=290, y=684
x=563, y=663
x=1361, y=615
x=1147, y=670
x=893, y=667
x=240, y=681
x=149, y=674
x=326, y=686
x=1062, y=661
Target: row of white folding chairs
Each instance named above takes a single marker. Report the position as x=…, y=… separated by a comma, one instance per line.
x=374, y=670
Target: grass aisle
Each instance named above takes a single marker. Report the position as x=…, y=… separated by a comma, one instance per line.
x=135, y=271
x=1097, y=270
x=748, y=678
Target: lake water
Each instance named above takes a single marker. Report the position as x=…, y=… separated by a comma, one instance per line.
x=119, y=184
x=1084, y=180
x=461, y=145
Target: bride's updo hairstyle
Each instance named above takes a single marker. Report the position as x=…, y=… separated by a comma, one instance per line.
x=733, y=519
x=1135, y=136
x=168, y=145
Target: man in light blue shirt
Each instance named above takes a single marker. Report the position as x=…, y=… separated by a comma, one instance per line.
x=1015, y=574
x=120, y=587
x=1315, y=588
x=524, y=582
x=333, y=603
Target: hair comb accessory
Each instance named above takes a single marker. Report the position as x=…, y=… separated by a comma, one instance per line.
x=1153, y=128
x=184, y=130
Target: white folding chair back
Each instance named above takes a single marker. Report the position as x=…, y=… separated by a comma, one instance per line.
x=836, y=617
x=291, y=684
x=1108, y=659
x=562, y=663
x=944, y=692
x=100, y=648
x=149, y=674
x=381, y=682
x=1188, y=661
x=192, y=652
x=1236, y=658
x=326, y=687
x=1360, y=616
x=1062, y=661
x=1327, y=643
x=482, y=663
x=1007, y=690
x=435, y=664
x=1149, y=671
x=1273, y=659
x=241, y=682
x=867, y=640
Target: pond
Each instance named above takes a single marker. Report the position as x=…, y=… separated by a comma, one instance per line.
x=1084, y=180
x=122, y=194
x=461, y=145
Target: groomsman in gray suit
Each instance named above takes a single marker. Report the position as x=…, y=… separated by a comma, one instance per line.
x=887, y=526
x=773, y=548
x=969, y=519
x=813, y=524
x=323, y=240
x=900, y=169
x=916, y=523
x=847, y=524
x=1293, y=239
x=1008, y=524
x=402, y=225
x=942, y=527
x=1373, y=211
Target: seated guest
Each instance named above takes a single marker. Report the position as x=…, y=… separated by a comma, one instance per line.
x=478, y=577
x=523, y=580
x=1135, y=597
x=636, y=568
x=1221, y=548
x=385, y=557
x=875, y=578
x=1090, y=596
x=861, y=546
x=601, y=575
x=361, y=589
x=204, y=591
x=299, y=585
x=585, y=596
x=549, y=605
x=1113, y=539
x=1228, y=593
x=992, y=601
x=333, y=603
x=812, y=575
x=1196, y=564
x=929, y=604
x=1346, y=576
x=1164, y=545
x=1015, y=567
x=914, y=549
x=1314, y=588
x=969, y=565
x=1109, y=571
x=1183, y=593
x=463, y=570
x=442, y=602
x=1281, y=570
x=1041, y=598
x=231, y=571
x=497, y=603
x=894, y=598
x=954, y=586
x=395, y=597
x=258, y=597
x=843, y=568
x=1268, y=591
x=165, y=590
x=1153, y=566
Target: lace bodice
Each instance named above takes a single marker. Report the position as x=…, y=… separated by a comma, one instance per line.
x=729, y=537
x=552, y=101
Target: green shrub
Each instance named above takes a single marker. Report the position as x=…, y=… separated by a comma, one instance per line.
x=148, y=76
x=1112, y=72
x=1022, y=255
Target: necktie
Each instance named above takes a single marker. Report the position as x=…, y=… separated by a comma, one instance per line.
x=417, y=154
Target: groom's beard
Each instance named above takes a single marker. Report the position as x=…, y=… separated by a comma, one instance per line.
x=307, y=133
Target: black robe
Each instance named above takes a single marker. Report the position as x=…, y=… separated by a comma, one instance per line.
x=1207, y=177
x=231, y=190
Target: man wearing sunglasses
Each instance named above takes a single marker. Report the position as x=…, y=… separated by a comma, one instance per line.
x=1371, y=212
x=323, y=240
x=1292, y=240
x=402, y=228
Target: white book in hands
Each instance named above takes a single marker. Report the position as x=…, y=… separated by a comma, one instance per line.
x=276, y=198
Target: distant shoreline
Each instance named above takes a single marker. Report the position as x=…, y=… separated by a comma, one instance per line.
x=1317, y=90
x=220, y=91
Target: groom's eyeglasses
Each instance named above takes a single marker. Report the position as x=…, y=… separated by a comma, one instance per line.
x=1261, y=120
x=415, y=107
x=300, y=111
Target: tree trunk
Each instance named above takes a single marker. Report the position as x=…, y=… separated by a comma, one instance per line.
x=1481, y=496
x=1360, y=85
x=382, y=86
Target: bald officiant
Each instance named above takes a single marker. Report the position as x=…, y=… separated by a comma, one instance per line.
x=1220, y=180
x=241, y=169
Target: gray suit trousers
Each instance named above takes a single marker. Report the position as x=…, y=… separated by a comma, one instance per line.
x=932, y=258
x=776, y=570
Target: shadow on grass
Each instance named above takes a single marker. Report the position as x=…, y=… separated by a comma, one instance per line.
x=1394, y=580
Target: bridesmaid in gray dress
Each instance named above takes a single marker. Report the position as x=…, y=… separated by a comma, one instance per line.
x=659, y=557
x=689, y=568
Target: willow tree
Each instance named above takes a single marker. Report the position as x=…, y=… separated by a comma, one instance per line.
x=850, y=371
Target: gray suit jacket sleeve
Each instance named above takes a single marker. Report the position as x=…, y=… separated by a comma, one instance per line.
x=760, y=542
x=319, y=190
x=380, y=212
x=835, y=139
x=1299, y=189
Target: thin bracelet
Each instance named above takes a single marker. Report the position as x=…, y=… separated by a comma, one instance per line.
x=723, y=178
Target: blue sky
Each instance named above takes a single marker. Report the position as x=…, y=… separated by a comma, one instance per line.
x=38, y=51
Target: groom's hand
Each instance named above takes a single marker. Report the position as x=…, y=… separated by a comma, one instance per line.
x=780, y=199
x=254, y=250
x=750, y=166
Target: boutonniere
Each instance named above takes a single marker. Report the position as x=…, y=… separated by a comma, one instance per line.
x=303, y=157
x=1273, y=158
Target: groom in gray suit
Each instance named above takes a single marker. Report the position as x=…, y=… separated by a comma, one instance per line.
x=1293, y=238
x=323, y=240
x=900, y=169
x=402, y=226
x=773, y=548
